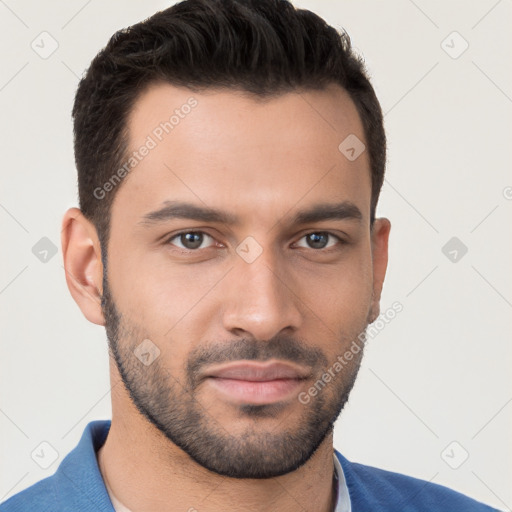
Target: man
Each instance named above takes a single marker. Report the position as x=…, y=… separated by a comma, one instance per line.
x=230, y=156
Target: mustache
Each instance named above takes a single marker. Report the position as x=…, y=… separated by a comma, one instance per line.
x=280, y=348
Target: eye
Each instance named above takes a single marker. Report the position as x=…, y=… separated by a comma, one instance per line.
x=319, y=240
x=191, y=240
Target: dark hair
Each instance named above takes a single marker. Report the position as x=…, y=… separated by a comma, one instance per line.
x=264, y=47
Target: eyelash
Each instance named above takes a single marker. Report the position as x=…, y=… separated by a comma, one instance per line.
x=340, y=240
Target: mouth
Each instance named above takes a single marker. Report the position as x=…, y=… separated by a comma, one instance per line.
x=256, y=383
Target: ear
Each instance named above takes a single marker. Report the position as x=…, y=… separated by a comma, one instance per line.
x=380, y=236
x=82, y=264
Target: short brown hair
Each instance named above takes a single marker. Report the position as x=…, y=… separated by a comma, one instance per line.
x=265, y=47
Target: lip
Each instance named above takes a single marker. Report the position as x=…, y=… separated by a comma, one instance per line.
x=251, y=382
x=258, y=372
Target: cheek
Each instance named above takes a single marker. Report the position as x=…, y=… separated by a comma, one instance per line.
x=176, y=292
x=173, y=305
x=341, y=294
x=148, y=285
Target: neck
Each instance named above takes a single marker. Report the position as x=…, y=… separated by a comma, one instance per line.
x=146, y=471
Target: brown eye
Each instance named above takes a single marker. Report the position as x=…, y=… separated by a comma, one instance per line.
x=191, y=240
x=319, y=240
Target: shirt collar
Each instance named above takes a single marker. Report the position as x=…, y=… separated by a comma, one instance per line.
x=343, y=496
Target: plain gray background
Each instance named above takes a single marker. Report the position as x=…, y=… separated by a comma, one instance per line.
x=435, y=386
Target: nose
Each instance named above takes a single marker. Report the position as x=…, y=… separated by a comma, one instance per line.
x=260, y=301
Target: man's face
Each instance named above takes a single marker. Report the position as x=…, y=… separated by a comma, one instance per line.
x=250, y=307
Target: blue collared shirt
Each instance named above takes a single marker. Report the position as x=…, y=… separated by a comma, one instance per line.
x=77, y=485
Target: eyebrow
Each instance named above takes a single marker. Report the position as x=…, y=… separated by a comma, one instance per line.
x=337, y=211
x=182, y=210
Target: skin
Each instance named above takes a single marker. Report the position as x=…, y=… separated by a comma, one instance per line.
x=240, y=155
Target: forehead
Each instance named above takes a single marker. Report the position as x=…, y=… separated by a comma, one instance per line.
x=231, y=150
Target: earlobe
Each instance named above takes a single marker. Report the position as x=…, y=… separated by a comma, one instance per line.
x=82, y=263
x=380, y=238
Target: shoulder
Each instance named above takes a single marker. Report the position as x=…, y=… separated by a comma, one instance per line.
x=372, y=488
x=76, y=485
x=41, y=493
